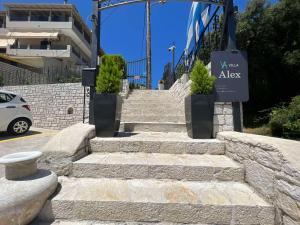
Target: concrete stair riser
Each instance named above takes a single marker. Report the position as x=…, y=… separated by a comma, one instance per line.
x=153, y=127
x=159, y=146
x=152, y=118
x=158, y=166
x=153, y=201
x=153, y=111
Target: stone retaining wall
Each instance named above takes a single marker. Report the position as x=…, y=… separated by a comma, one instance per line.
x=223, y=119
x=272, y=167
x=54, y=106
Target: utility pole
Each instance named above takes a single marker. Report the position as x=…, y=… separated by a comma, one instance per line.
x=149, y=54
x=95, y=18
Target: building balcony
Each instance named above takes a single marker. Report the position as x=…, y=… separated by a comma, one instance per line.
x=69, y=28
x=56, y=51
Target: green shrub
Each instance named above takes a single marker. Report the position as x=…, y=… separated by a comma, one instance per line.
x=109, y=77
x=285, y=120
x=119, y=60
x=202, y=82
x=1, y=81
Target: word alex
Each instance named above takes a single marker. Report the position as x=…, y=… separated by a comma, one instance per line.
x=227, y=75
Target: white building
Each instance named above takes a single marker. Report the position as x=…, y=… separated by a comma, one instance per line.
x=45, y=35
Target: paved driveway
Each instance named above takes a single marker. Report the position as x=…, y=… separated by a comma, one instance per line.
x=32, y=141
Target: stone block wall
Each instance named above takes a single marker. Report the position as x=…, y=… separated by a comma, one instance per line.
x=223, y=118
x=272, y=167
x=54, y=106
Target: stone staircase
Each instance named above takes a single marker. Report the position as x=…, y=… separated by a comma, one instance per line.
x=154, y=111
x=160, y=177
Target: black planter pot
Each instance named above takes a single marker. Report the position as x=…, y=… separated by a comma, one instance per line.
x=199, y=113
x=107, y=112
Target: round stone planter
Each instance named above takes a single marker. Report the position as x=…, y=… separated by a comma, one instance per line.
x=20, y=165
x=24, y=190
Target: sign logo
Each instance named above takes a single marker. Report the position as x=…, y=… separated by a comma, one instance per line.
x=224, y=65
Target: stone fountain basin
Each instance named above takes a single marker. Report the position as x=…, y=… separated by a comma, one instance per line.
x=20, y=158
x=20, y=165
x=21, y=200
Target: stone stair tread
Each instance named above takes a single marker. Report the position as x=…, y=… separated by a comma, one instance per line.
x=153, y=200
x=135, y=126
x=157, y=136
x=158, y=191
x=86, y=222
x=158, y=142
x=140, y=165
x=140, y=158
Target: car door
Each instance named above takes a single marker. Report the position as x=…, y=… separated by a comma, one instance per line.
x=7, y=111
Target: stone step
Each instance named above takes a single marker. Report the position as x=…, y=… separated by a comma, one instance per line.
x=157, y=142
x=158, y=166
x=153, y=111
x=150, y=92
x=153, y=118
x=89, y=222
x=104, y=199
x=144, y=101
x=153, y=127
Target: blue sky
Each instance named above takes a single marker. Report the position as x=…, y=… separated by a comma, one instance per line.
x=122, y=29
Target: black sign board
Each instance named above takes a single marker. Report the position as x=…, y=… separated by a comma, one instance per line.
x=231, y=70
x=88, y=77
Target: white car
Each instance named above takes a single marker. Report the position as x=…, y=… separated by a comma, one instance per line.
x=15, y=115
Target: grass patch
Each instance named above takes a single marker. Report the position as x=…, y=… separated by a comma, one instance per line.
x=263, y=130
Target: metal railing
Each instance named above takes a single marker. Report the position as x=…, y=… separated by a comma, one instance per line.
x=136, y=74
x=186, y=62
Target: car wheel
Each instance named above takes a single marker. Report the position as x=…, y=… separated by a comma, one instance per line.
x=19, y=126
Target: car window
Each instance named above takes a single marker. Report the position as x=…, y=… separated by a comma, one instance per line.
x=22, y=100
x=4, y=98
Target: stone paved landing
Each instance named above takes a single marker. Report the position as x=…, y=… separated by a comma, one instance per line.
x=158, y=142
x=159, y=166
x=153, y=200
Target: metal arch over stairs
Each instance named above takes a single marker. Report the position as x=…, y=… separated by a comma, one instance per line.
x=229, y=28
x=107, y=4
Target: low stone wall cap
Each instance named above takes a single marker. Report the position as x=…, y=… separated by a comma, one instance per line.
x=21, y=157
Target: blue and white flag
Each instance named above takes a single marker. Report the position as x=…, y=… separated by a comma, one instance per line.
x=198, y=20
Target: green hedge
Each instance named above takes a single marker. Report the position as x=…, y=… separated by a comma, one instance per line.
x=110, y=75
x=202, y=82
x=119, y=60
x=285, y=120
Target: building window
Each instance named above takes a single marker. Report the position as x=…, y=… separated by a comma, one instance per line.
x=19, y=15
x=40, y=15
x=78, y=25
x=60, y=16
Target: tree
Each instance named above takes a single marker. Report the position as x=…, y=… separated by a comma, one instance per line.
x=270, y=34
x=109, y=77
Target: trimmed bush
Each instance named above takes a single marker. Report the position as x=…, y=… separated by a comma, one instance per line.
x=109, y=77
x=285, y=120
x=202, y=82
x=119, y=60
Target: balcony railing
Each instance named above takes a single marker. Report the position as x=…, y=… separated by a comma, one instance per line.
x=31, y=50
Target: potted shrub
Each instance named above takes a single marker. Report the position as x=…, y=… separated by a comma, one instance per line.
x=107, y=102
x=199, y=106
x=161, y=85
